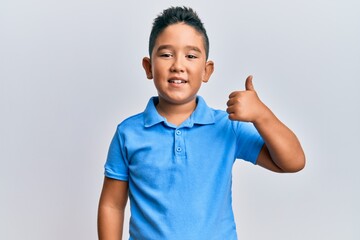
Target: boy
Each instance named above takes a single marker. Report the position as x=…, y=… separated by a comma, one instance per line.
x=174, y=160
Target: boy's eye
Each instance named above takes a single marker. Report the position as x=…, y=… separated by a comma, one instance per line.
x=191, y=56
x=166, y=55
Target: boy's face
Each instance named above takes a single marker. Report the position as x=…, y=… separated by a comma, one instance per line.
x=178, y=64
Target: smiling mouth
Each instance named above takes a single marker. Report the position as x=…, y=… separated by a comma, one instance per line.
x=177, y=81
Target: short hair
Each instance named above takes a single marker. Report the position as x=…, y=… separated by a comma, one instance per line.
x=175, y=15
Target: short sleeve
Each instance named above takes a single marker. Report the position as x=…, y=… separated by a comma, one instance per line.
x=116, y=165
x=249, y=142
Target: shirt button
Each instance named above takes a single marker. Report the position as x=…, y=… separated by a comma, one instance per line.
x=178, y=149
x=178, y=132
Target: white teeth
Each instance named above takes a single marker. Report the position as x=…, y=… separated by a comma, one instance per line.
x=177, y=81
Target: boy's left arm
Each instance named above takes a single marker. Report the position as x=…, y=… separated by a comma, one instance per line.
x=282, y=151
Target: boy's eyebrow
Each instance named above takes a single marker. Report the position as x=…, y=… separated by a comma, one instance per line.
x=167, y=46
x=161, y=47
x=194, y=48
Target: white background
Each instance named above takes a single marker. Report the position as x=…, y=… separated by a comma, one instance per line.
x=70, y=71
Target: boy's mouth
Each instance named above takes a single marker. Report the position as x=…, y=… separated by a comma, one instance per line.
x=177, y=81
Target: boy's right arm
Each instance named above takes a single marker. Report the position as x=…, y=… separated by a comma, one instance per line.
x=112, y=205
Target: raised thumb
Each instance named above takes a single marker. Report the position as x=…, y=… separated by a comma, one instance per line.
x=248, y=84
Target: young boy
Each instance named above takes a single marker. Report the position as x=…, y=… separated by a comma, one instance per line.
x=174, y=160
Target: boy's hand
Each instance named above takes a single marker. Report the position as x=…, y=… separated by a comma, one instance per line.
x=245, y=105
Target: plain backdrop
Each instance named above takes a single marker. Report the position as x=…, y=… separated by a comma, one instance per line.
x=70, y=71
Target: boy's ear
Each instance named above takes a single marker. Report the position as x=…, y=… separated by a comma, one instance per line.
x=209, y=69
x=146, y=63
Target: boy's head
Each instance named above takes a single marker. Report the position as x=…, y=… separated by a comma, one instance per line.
x=175, y=15
x=178, y=61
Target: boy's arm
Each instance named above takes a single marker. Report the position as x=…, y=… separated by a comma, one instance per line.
x=112, y=205
x=282, y=151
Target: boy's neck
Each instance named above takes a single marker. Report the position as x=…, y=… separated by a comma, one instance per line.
x=176, y=113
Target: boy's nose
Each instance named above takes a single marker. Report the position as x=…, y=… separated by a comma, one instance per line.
x=177, y=66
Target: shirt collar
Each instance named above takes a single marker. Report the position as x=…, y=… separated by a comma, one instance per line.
x=202, y=115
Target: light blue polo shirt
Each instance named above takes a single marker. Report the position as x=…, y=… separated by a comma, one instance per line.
x=180, y=176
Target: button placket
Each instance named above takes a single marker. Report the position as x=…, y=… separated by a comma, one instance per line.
x=179, y=143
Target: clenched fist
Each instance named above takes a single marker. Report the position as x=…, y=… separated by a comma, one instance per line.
x=245, y=105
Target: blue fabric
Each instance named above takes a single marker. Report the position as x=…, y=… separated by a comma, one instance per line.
x=180, y=176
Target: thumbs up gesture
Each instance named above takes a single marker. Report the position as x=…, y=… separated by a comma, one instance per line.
x=245, y=105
